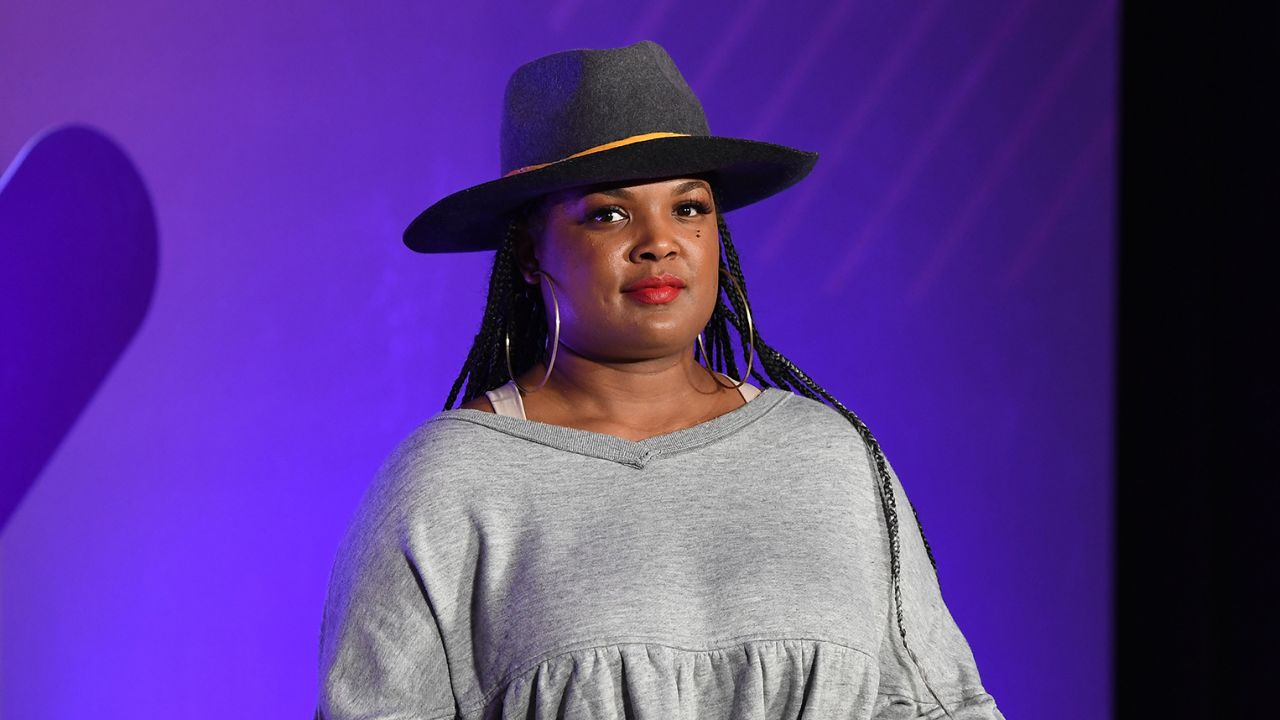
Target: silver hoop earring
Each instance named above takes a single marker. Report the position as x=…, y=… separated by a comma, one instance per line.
x=751, y=330
x=555, y=343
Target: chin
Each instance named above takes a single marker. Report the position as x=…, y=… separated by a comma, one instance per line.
x=656, y=341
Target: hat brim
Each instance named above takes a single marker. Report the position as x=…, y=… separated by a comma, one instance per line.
x=743, y=172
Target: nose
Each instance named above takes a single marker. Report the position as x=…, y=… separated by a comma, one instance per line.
x=657, y=237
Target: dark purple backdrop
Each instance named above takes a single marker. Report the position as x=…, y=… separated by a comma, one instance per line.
x=947, y=272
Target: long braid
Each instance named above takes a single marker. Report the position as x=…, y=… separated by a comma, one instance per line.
x=513, y=308
x=510, y=307
x=786, y=375
x=792, y=373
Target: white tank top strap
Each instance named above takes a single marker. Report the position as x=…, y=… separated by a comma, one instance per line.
x=506, y=399
x=747, y=389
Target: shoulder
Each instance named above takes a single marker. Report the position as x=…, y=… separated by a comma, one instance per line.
x=813, y=416
x=445, y=440
x=479, y=403
x=430, y=463
x=803, y=422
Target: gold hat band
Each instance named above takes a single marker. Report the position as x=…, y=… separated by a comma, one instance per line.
x=598, y=148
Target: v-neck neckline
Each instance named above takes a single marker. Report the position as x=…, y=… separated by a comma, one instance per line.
x=636, y=453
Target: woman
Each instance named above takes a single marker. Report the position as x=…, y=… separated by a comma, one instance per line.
x=605, y=528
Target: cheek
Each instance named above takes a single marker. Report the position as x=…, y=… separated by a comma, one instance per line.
x=587, y=285
x=709, y=273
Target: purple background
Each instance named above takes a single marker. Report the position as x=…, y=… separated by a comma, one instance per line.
x=947, y=271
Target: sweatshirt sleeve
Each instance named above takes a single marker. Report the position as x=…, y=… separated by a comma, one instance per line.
x=381, y=652
x=933, y=636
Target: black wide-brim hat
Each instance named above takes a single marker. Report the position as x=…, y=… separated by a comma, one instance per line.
x=582, y=117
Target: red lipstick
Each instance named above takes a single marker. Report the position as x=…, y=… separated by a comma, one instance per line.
x=655, y=290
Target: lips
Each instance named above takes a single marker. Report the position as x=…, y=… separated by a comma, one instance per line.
x=655, y=290
x=655, y=295
x=656, y=281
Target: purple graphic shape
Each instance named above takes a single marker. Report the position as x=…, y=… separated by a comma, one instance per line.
x=78, y=257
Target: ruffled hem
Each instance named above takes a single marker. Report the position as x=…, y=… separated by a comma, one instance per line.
x=975, y=704
x=754, y=680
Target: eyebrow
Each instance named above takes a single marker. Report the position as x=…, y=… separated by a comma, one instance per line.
x=680, y=189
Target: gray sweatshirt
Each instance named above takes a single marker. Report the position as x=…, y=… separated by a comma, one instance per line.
x=498, y=567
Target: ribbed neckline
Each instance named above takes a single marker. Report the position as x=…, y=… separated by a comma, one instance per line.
x=636, y=453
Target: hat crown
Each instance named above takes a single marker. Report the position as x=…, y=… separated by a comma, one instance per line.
x=574, y=100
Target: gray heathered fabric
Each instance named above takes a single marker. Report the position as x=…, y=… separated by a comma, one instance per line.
x=505, y=568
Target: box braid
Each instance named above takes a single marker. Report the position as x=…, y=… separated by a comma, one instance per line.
x=515, y=306
x=512, y=305
x=784, y=374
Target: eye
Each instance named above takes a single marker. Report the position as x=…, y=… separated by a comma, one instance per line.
x=701, y=207
x=604, y=212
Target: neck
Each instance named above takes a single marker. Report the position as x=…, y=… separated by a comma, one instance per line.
x=672, y=390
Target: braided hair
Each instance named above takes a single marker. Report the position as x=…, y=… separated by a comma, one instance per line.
x=516, y=307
